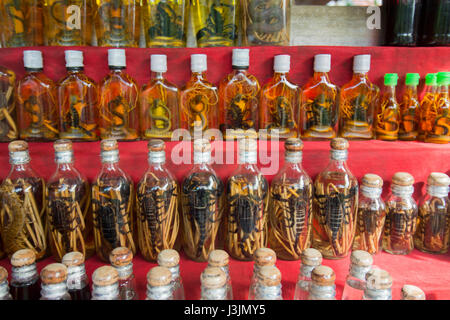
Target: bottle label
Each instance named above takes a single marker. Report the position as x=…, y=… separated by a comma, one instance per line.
x=19, y=157
x=341, y=155
x=293, y=157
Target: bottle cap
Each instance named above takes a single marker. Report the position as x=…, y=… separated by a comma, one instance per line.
x=412, y=79
x=23, y=257
x=323, y=276
x=431, y=79
x=241, y=58
x=322, y=63
x=3, y=275
x=156, y=145
x=198, y=63
x=158, y=63
x=390, y=79
x=378, y=279
x=18, y=146
x=403, y=179
x=361, y=258
x=105, y=276
x=218, y=258
x=73, y=259
x=168, y=258
x=159, y=276
x=121, y=256
x=339, y=144
x=269, y=276
x=109, y=145
x=32, y=59
x=117, y=58
x=293, y=145
x=443, y=78
x=213, y=278
x=282, y=63
x=62, y=145
x=265, y=257
x=410, y=292
x=372, y=181
x=311, y=257
x=74, y=58
x=54, y=273
x=438, y=179
x=202, y=145
x=361, y=63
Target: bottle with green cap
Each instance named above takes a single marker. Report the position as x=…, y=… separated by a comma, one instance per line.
x=409, y=109
x=440, y=132
x=428, y=101
x=388, y=115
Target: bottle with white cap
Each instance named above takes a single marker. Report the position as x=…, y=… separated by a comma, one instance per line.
x=278, y=104
x=159, y=102
x=355, y=282
x=118, y=107
x=357, y=102
x=311, y=258
x=387, y=121
x=238, y=103
x=37, y=112
x=8, y=123
x=409, y=109
x=78, y=101
x=199, y=99
x=319, y=103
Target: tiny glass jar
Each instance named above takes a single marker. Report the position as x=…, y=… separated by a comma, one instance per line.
x=105, y=284
x=220, y=259
x=170, y=259
x=4, y=287
x=378, y=285
x=355, y=282
x=262, y=257
x=121, y=259
x=311, y=258
x=322, y=284
x=213, y=284
x=159, y=284
x=77, y=279
x=268, y=285
x=54, y=282
x=410, y=292
x=25, y=283
x=8, y=120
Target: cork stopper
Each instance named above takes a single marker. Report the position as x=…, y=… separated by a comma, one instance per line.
x=3, y=275
x=311, y=257
x=339, y=144
x=372, y=181
x=438, y=179
x=73, y=259
x=62, y=145
x=361, y=258
x=202, y=145
x=168, y=258
x=109, y=145
x=54, y=273
x=213, y=278
x=410, y=292
x=293, y=145
x=18, y=146
x=265, y=257
x=403, y=179
x=23, y=257
x=218, y=258
x=323, y=276
x=378, y=279
x=121, y=256
x=105, y=276
x=248, y=145
x=269, y=276
x=156, y=145
x=159, y=276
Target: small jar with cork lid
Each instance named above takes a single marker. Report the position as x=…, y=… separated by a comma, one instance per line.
x=170, y=259
x=378, y=285
x=77, y=279
x=25, y=283
x=410, y=292
x=213, y=284
x=105, y=284
x=262, y=257
x=355, y=282
x=121, y=259
x=159, y=284
x=4, y=288
x=311, y=258
x=322, y=284
x=54, y=282
x=268, y=285
x=220, y=259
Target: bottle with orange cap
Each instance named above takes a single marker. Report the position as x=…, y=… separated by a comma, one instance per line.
x=4, y=288
x=159, y=284
x=262, y=257
x=121, y=259
x=105, y=284
x=77, y=279
x=54, y=282
x=8, y=120
x=25, y=283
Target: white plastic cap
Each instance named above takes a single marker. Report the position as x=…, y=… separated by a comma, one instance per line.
x=74, y=58
x=322, y=63
x=241, y=58
x=32, y=59
x=158, y=62
x=282, y=63
x=361, y=63
x=117, y=58
x=198, y=63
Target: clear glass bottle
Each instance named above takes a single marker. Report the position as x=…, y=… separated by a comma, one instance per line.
x=8, y=120
x=68, y=202
x=105, y=284
x=371, y=215
x=440, y=132
x=311, y=258
x=401, y=217
x=112, y=204
x=335, y=204
x=213, y=284
x=4, y=288
x=170, y=259
x=159, y=102
x=157, y=204
x=290, y=205
x=378, y=285
x=22, y=218
x=238, y=99
x=319, y=103
x=119, y=101
x=37, y=111
x=428, y=107
x=77, y=279
x=322, y=284
x=402, y=22
x=409, y=109
x=121, y=259
x=77, y=99
x=355, y=282
x=25, y=283
x=220, y=259
x=410, y=292
x=247, y=196
x=262, y=257
x=278, y=104
x=203, y=200
x=54, y=282
x=357, y=102
x=388, y=111
x=268, y=285
x=433, y=232
x=159, y=284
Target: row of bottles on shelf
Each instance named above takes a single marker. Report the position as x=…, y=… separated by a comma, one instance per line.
x=331, y=214
x=159, y=23
x=76, y=108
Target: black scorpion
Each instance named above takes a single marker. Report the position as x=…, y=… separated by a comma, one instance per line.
x=61, y=218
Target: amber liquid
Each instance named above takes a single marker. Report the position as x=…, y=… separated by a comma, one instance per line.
x=8, y=125
x=410, y=115
x=81, y=294
x=427, y=112
x=388, y=117
x=440, y=132
x=28, y=292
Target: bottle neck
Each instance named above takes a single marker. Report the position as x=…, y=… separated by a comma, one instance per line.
x=110, y=292
x=54, y=291
x=402, y=191
x=267, y=292
x=389, y=92
x=438, y=191
x=116, y=69
x=248, y=158
x=157, y=75
x=411, y=91
x=76, y=277
x=64, y=158
x=359, y=272
x=306, y=270
x=360, y=77
x=175, y=270
x=338, y=156
x=214, y=293
x=74, y=70
x=239, y=69
x=110, y=157
x=293, y=159
x=322, y=292
x=370, y=192
x=280, y=75
x=24, y=274
x=4, y=289
x=19, y=158
x=202, y=157
x=381, y=294
x=198, y=75
x=157, y=159
x=34, y=70
x=160, y=292
x=125, y=271
x=320, y=76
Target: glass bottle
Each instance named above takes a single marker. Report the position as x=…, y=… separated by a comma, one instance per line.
x=117, y=22
x=402, y=22
x=238, y=99
x=262, y=257
x=54, y=282
x=203, y=200
x=68, y=206
x=121, y=259
x=335, y=205
x=247, y=196
x=199, y=99
x=220, y=258
x=157, y=202
x=159, y=284
x=159, y=102
x=268, y=286
x=170, y=259
x=371, y=215
x=4, y=288
x=428, y=106
x=355, y=282
x=213, y=284
x=322, y=284
x=433, y=232
x=77, y=98
x=440, y=132
x=77, y=279
x=409, y=109
x=8, y=124
x=165, y=23
x=290, y=205
x=278, y=104
x=25, y=283
x=112, y=204
x=401, y=217
x=266, y=22
x=388, y=113
x=357, y=102
x=37, y=111
x=378, y=285
x=319, y=103
x=215, y=22
x=119, y=101
x=105, y=284
x=410, y=292
x=311, y=258
x=22, y=213
x=68, y=22
x=440, y=23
